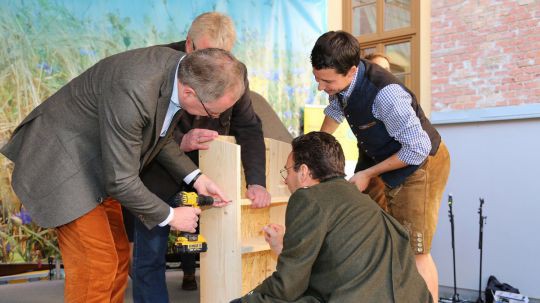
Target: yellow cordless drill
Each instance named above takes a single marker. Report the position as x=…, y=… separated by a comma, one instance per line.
x=188, y=242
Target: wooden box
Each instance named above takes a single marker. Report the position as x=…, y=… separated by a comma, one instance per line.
x=238, y=258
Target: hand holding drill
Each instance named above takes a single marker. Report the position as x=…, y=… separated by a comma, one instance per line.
x=185, y=218
x=188, y=242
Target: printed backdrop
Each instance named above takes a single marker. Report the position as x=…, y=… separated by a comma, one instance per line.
x=46, y=43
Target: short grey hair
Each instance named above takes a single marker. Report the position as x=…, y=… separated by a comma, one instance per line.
x=211, y=72
x=219, y=28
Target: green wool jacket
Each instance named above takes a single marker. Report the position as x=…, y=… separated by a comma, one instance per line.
x=339, y=246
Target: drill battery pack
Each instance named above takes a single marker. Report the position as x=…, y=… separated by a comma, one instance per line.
x=190, y=243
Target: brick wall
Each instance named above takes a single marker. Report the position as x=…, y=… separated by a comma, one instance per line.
x=485, y=53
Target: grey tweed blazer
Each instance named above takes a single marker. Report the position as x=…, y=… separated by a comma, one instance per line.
x=92, y=138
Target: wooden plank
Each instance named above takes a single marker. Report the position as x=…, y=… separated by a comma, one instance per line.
x=276, y=159
x=254, y=244
x=273, y=200
x=243, y=186
x=221, y=266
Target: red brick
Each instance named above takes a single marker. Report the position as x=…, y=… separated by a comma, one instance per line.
x=484, y=53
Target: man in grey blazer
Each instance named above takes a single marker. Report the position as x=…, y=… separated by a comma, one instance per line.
x=80, y=153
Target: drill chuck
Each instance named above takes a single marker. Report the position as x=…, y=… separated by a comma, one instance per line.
x=192, y=199
x=204, y=200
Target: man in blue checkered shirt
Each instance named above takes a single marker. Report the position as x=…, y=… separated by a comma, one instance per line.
x=397, y=144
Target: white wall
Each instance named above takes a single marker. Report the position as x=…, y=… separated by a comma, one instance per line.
x=335, y=17
x=498, y=161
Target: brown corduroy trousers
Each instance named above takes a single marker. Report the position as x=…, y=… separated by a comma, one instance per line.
x=415, y=203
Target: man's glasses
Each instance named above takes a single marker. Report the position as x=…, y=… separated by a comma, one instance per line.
x=211, y=115
x=284, y=172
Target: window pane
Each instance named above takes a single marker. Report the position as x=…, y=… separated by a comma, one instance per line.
x=397, y=14
x=400, y=57
x=364, y=18
x=366, y=51
x=400, y=61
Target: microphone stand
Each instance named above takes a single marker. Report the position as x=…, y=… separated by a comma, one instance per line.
x=455, y=297
x=482, y=221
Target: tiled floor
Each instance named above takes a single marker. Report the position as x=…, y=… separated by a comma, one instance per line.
x=52, y=291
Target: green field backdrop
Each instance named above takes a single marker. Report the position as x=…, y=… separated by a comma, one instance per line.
x=47, y=43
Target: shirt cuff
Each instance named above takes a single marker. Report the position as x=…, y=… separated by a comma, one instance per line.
x=190, y=177
x=169, y=218
x=334, y=113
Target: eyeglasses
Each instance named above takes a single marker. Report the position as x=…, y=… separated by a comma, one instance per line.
x=284, y=172
x=211, y=115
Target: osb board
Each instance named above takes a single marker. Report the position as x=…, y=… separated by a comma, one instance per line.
x=253, y=220
x=221, y=226
x=277, y=213
x=255, y=268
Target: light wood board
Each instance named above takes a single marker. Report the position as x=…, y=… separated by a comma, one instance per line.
x=221, y=226
x=238, y=258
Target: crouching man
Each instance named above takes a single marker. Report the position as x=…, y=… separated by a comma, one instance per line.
x=339, y=246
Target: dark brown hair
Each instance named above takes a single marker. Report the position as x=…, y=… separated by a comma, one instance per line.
x=338, y=50
x=322, y=154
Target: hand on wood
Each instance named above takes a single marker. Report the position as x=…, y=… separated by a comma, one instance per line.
x=258, y=195
x=197, y=139
x=205, y=186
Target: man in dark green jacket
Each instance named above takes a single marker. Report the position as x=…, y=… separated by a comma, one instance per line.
x=339, y=246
